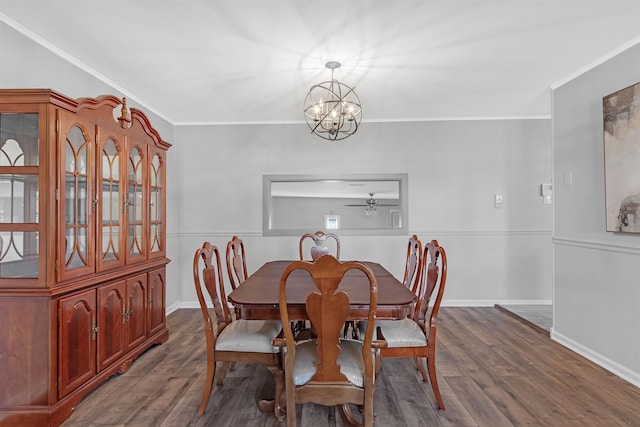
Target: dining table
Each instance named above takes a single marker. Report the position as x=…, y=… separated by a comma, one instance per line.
x=257, y=296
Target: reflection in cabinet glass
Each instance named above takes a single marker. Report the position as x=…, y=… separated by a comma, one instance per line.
x=110, y=223
x=76, y=199
x=134, y=203
x=156, y=204
x=18, y=254
x=18, y=139
x=19, y=195
x=18, y=198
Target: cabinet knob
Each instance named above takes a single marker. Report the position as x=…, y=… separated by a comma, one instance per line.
x=94, y=330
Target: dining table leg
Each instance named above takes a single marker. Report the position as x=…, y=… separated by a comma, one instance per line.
x=277, y=404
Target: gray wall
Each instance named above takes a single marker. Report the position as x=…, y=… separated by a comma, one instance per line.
x=596, y=290
x=454, y=167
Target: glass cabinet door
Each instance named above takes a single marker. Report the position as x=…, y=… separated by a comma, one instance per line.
x=156, y=220
x=77, y=202
x=19, y=195
x=135, y=206
x=110, y=204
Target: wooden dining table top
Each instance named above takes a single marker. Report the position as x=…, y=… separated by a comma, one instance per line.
x=257, y=296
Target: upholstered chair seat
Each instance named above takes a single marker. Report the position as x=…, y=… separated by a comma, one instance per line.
x=399, y=333
x=350, y=361
x=249, y=336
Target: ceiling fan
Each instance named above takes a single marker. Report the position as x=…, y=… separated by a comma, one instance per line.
x=371, y=202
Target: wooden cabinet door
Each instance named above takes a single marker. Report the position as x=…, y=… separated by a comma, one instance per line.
x=137, y=310
x=110, y=162
x=75, y=193
x=137, y=204
x=157, y=203
x=77, y=331
x=156, y=300
x=112, y=322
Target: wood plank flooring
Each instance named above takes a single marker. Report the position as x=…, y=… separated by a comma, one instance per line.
x=537, y=315
x=493, y=370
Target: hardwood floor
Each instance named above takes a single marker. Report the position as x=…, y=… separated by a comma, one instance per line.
x=536, y=315
x=493, y=370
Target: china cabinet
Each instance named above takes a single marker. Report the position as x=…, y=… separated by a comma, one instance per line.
x=82, y=248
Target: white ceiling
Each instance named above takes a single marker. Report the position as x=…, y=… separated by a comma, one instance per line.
x=239, y=61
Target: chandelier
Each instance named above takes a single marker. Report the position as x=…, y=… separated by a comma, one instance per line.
x=332, y=109
x=370, y=210
x=371, y=203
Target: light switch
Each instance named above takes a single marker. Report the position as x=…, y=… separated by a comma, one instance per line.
x=546, y=191
x=499, y=200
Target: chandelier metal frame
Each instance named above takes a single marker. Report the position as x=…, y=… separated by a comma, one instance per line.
x=332, y=109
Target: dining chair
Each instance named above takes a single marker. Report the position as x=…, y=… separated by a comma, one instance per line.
x=413, y=264
x=228, y=340
x=329, y=369
x=319, y=247
x=416, y=337
x=236, y=262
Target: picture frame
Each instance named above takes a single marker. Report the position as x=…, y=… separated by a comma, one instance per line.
x=621, y=136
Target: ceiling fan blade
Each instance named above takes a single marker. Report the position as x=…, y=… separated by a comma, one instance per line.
x=357, y=205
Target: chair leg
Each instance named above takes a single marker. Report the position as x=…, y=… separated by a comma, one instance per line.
x=224, y=370
x=291, y=416
x=368, y=414
x=290, y=403
x=421, y=368
x=431, y=365
x=208, y=385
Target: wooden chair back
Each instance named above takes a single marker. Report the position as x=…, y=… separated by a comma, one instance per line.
x=434, y=276
x=328, y=309
x=319, y=247
x=413, y=264
x=209, y=281
x=236, y=262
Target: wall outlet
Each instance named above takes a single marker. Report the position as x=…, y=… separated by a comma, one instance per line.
x=499, y=200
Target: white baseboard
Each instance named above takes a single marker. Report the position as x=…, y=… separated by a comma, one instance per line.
x=608, y=364
x=173, y=307
x=490, y=303
x=445, y=303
